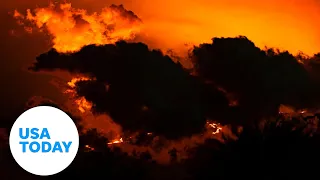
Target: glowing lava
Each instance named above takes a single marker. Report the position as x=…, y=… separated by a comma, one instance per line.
x=116, y=141
x=216, y=128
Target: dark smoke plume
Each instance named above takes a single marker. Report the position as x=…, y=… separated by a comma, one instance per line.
x=139, y=88
x=144, y=89
x=260, y=79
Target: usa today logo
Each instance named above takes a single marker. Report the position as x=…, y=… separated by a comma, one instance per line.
x=44, y=140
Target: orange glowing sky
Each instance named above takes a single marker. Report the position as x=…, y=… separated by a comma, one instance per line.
x=288, y=24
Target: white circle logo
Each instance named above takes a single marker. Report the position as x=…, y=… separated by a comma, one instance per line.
x=44, y=140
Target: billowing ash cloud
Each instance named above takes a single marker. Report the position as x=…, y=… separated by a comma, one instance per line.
x=144, y=89
x=260, y=79
x=139, y=88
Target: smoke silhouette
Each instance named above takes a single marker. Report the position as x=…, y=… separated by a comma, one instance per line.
x=260, y=80
x=160, y=96
x=156, y=93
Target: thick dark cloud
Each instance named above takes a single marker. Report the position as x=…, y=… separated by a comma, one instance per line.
x=260, y=79
x=139, y=88
x=144, y=89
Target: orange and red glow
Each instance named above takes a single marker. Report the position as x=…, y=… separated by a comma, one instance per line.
x=286, y=24
x=216, y=128
x=116, y=141
x=83, y=104
x=73, y=81
x=89, y=148
x=291, y=25
x=73, y=28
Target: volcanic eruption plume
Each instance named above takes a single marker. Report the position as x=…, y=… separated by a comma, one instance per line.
x=149, y=101
x=72, y=30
